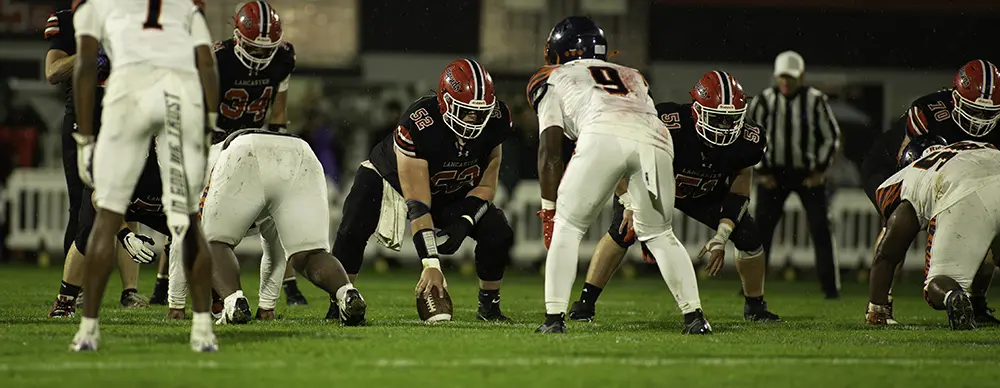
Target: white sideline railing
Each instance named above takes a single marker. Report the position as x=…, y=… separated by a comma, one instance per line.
x=37, y=216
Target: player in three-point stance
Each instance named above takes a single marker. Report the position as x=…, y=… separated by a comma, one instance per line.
x=607, y=108
x=443, y=160
x=969, y=110
x=716, y=148
x=164, y=75
x=949, y=189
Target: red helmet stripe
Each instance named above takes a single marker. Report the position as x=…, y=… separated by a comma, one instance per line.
x=478, y=79
x=265, y=18
x=727, y=94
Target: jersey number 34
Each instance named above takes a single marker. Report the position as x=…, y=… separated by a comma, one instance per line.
x=236, y=102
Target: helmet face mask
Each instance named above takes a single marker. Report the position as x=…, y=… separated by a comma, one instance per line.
x=719, y=126
x=467, y=120
x=257, y=34
x=976, y=96
x=978, y=118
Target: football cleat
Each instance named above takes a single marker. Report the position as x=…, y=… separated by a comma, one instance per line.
x=491, y=313
x=581, y=311
x=240, y=313
x=294, y=297
x=554, y=324
x=959, y=307
x=890, y=319
x=132, y=299
x=217, y=306
x=878, y=315
x=63, y=307
x=333, y=313
x=695, y=323
x=983, y=313
x=759, y=313
x=159, y=296
x=352, y=308
x=264, y=314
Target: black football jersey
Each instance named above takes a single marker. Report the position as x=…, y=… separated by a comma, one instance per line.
x=246, y=95
x=455, y=165
x=931, y=114
x=703, y=171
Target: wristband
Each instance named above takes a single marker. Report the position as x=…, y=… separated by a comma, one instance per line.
x=416, y=209
x=548, y=205
x=431, y=263
x=626, y=201
x=734, y=206
x=122, y=234
x=425, y=243
x=723, y=232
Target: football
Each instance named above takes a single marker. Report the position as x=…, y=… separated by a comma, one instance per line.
x=434, y=309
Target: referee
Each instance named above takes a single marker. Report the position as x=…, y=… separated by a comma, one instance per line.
x=803, y=137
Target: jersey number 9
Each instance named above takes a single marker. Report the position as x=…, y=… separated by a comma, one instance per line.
x=608, y=79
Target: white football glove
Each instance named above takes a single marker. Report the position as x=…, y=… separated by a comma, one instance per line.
x=140, y=247
x=84, y=158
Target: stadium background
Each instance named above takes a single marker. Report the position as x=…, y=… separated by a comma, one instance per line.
x=360, y=62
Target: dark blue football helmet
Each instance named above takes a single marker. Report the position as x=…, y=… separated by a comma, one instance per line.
x=915, y=149
x=575, y=37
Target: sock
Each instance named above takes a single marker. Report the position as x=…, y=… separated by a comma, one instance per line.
x=69, y=291
x=161, y=284
x=342, y=292
x=677, y=271
x=560, y=266
x=489, y=297
x=755, y=300
x=202, y=322
x=88, y=326
x=590, y=294
x=290, y=284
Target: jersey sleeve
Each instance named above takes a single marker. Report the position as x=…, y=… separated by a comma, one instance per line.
x=538, y=86
x=503, y=122
x=199, y=31
x=916, y=121
x=290, y=64
x=754, y=145
x=887, y=197
x=57, y=32
x=407, y=133
x=550, y=113
x=86, y=21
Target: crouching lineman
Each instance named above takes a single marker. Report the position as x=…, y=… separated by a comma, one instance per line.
x=949, y=188
x=444, y=159
x=607, y=107
x=262, y=174
x=713, y=171
x=969, y=110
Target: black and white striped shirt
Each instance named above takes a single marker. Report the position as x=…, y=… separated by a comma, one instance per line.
x=802, y=133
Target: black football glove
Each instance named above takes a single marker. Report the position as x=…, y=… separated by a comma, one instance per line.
x=473, y=209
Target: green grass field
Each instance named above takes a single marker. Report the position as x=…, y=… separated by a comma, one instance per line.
x=635, y=342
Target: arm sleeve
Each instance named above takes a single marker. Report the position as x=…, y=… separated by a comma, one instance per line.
x=550, y=111
x=86, y=22
x=199, y=31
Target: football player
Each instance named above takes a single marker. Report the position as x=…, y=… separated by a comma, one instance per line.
x=262, y=174
x=716, y=148
x=948, y=188
x=164, y=75
x=59, y=69
x=969, y=110
x=443, y=160
x=255, y=68
x=607, y=108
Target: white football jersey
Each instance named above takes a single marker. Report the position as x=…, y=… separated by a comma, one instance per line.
x=592, y=95
x=161, y=33
x=941, y=178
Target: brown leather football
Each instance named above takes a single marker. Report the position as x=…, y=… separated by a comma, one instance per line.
x=435, y=308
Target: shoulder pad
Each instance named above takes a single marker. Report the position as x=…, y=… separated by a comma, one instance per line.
x=538, y=85
x=667, y=108
x=289, y=51
x=55, y=22
x=219, y=45
x=502, y=112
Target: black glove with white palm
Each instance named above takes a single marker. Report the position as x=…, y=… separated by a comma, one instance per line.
x=139, y=246
x=473, y=209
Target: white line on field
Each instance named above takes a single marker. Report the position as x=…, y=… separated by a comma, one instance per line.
x=493, y=362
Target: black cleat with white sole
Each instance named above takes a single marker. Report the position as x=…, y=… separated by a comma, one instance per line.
x=695, y=323
x=582, y=311
x=352, y=313
x=241, y=314
x=960, y=314
x=491, y=312
x=757, y=312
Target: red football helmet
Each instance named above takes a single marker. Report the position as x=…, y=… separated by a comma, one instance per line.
x=719, y=108
x=976, y=97
x=257, y=34
x=465, y=94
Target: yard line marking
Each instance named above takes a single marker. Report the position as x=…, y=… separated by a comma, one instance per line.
x=501, y=362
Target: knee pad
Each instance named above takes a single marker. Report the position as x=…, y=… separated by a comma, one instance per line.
x=745, y=236
x=749, y=255
x=624, y=240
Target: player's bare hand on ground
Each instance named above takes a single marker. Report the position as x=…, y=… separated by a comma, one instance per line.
x=431, y=280
x=175, y=314
x=716, y=256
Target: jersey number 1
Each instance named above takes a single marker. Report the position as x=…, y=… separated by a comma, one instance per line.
x=153, y=15
x=608, y=79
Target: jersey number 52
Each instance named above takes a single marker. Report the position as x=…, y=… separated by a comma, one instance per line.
x=236, y=102
x=450, y=181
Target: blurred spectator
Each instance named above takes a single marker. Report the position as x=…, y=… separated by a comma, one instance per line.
x=393, y=111
x=520, y=151
x=325, y=143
